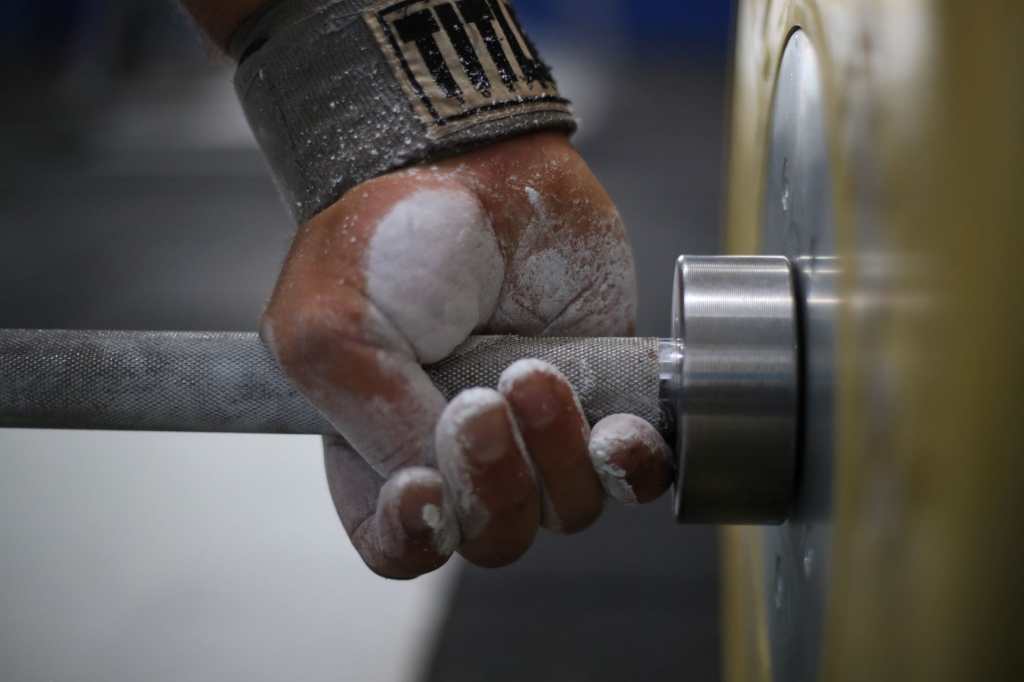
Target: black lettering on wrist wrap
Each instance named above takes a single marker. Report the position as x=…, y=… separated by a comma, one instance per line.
x=341, y=91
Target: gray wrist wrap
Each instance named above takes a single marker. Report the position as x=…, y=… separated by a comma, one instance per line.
x=341, y=91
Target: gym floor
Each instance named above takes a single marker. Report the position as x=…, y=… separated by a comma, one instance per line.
x=127, y=556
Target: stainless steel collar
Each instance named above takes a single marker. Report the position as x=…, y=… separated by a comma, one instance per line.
x=734, y=381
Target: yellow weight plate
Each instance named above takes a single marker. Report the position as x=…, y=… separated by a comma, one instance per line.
x=924, y=109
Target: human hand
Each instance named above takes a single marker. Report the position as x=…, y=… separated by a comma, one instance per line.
x=516, y=238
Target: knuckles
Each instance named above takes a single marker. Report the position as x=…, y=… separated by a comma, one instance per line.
x=301, y=331
x=295, y=333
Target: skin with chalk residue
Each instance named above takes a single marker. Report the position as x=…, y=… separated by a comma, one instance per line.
x=496, y=494
x=631, y=459
x=556, y=434
x=515, y=238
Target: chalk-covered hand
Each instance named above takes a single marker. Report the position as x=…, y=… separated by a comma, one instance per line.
x=516, y=238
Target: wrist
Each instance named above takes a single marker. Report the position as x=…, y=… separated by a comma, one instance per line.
x=342, y=91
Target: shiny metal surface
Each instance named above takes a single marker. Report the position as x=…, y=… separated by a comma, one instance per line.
x=737, y=409
x=797, y=221
x=671, y=353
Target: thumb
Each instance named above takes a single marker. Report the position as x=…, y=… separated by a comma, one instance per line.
x=396, y=274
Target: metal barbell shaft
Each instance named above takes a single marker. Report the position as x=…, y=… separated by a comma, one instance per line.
x=730, y=379
x=230, y=383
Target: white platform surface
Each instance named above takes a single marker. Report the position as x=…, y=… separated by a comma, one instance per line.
x=192, y=557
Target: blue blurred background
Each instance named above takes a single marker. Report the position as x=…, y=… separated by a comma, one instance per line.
x=48, y=29
x=645, y=25
x=132, y=196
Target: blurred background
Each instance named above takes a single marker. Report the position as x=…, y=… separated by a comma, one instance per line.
x=132, y=196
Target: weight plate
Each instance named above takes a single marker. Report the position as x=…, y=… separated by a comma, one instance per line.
x=913, y=332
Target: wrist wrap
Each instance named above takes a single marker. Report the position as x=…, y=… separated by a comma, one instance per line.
x=341, y=91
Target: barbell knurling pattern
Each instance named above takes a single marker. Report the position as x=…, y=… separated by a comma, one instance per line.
x=230, y=383
x=610, y=375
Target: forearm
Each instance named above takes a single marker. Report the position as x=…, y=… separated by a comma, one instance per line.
x=220, y=18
